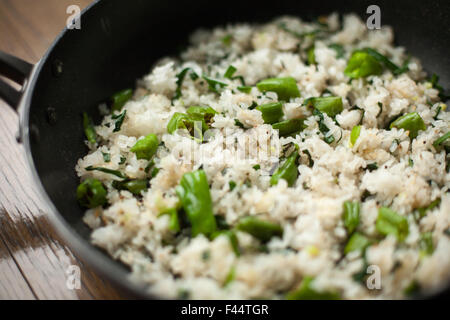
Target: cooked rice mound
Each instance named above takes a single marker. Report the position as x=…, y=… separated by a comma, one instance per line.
x=383, y=168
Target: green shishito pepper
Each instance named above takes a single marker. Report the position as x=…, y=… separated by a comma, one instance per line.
x=285, y=88
x=91, y=193
x=389, y=222
x=202, y=111
x=193, y=122
x=357, y=242
x=89, y=130
x=411, y=122
x=120, y=98
x=351, y=215
x=362, y=64
x=195, y=198
x=145, y=148
x=289, y=127
x=329, y=105
x=306, y=292
x=262, y=230
x=135, y=186
x=288, y=171
x=271, y=112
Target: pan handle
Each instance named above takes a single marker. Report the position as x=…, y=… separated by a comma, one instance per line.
x=16, y=70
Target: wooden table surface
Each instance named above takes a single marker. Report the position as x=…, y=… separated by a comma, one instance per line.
x=34, y=261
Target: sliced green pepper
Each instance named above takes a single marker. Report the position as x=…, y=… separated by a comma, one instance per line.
x=351, y=215
x=288, y=171
x=120, y=98
x=411, y=122
x=174, y=223
x=195, y=198
x=389, y=222
x=89, y=130
x=91, y=193
x=262, y=230
x=354, y=135
x=285, y=88
x=329, y=105
x=289, y=127
x=145, y=148
x=362, y=64
x=271, y=112
x=357, y=242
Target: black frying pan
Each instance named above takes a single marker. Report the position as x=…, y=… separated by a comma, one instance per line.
x=118, y=43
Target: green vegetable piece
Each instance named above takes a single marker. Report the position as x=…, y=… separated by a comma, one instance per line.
x=351, y=215
x=289, y=127
x=412, y=289
x=357, y=242
x=91, y=193
x=311, y=56
x=426, y=243
x=226, y=40
x=338, y=48
x=195, y=198
x=285, y=88
x=271, y=112
x=174, y=223
x=387, y=63
x=354, y=135
x=193, y=122
x=106, y=170
x=411, y=122
x=120, y=98
x=361, y=64
x=372, y=166
x=438, y=143
x=306, y=292
x=245, y=89
x=389, y=222
x=231, y=235
x=145, y=148
x=119, y=120
x=213, y=84
x=423, y=211
x=288, y=171
x=135, y=186
x=262, y=230
x=230, y=71
x=329, y=105
x=89, y=130
x=230, y=276
x=106, y=157
x=232, y=185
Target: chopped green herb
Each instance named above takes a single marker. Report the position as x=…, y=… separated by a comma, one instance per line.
x=230, y=276
x=106, y=170
x=256, y=167
x=232, y=185
x=310, y=160
x=231, y=235
x=226, y=40
x=245, y=89
x=322, y=127
x=213, y=84
x=422, y=212
x=437, y=144
x=387, y=63
x=372, y=166
x=180, y=79
x=410, y=162
x=106, y=156
x=122, y=160
x=119, y=120
x=444, y=96
x=339, y=50
x=238, y=124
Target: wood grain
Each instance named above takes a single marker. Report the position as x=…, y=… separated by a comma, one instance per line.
x=33, y=259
